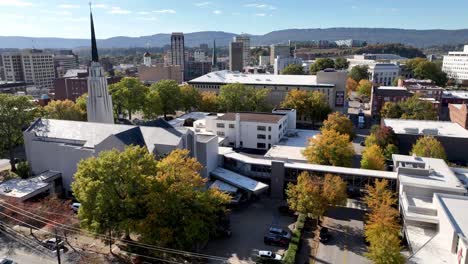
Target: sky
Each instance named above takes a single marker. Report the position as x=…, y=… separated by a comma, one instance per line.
x=70, y=19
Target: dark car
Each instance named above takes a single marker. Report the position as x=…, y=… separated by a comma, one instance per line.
x=362, y=143
x=324, y=235
x=275, y=240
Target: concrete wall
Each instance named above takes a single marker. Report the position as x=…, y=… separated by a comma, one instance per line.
x=207, y=155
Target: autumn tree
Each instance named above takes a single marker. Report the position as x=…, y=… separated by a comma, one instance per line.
x=169, y=93
x=429, y=147
x=364, y=88
x=81, y=103
x=152, y=107
x=321, y=64
x=293, y=69
x=340, y=123
x=373, y=158
x=190, y=97
x=385, y=138
x=110, y=189
x=313, y=195
x=128, y=95
x=359, y=72
x=310, y=104
x=351, y=86
x=341, y=63
x=64, y=110
x=208, y=102
x=16, y=114
x=330, y=148
x=411, y=108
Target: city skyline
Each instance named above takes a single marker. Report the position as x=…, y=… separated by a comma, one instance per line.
x=66, y=19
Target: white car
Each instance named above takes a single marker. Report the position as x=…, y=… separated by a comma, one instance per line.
x=75, y=207
x=268, y=255
x=6, y=260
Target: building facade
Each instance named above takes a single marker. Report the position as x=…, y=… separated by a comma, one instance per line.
x=12, y=67
x=195, y=69
x=382, y=94
x=459, y=114
x=455, y=64
x=63, y=63
x=236, y=56
x=158, y=72
x=245, y=40
x=199, y=55
x=383, y=73
x=178, y=50
x=281, y=50
x=283, y=62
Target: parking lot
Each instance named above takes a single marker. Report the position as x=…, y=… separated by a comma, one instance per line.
x=248, y=227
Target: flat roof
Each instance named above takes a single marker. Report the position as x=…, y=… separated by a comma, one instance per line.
x=459, y=94
x=439, y=175
x=444, y=128
x=222, y=186
x=392, y=88
x=179, y=121
x=252, y=117
x=23, y=189
x=455, y=207
x=342, y=170
x=290, y=147
x=226, y=77
x=239, y=181
x=285, y=153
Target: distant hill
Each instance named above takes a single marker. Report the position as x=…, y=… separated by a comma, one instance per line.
x=417, y=38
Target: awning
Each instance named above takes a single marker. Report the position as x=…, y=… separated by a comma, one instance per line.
x=239, y=181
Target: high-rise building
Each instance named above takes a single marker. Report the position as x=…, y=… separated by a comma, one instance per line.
x=13, y=67
x=38, y=68
x=245, y=40
x=214, y=58
x=456, y=65
x=63, y=63
x=283, y=51
x=199, y=55
x=99, y=105
x=236, y=56
x=178, y=49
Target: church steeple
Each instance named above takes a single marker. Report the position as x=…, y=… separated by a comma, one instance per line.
x=214, y=62
x=94, y=52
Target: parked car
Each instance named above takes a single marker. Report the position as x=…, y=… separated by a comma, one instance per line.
x=6, y=260
x=362, y=143
x=279, y=232
x=75, y=207
x=264, y=254
x=324, y=235
x=52, y=243
x=276, y=240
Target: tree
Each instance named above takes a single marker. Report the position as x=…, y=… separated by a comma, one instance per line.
x=313, y=105
x=187, y=213
x=16, y=113
x=293, y=69
x=373, y=158
x=341, y=63
x=386, y=249
x=313, y=195
x=330, y=148
x=190, y=97
x=169, y=92
x=128, y=95
x=364, y=88
x=429, y=147
x=391, y=110
x=321, y=64
x=359, y=72
x=208, y=102
x=430, y=70
x=257, y=99
x=64, y=110
x=385, y=136
x=414, y=108
x=351, y=86
x=152, y=107
x=379, y=195
x=81, y=103
x=238, y=97
x=110, y=188
x=23, y=169
x=340, y=123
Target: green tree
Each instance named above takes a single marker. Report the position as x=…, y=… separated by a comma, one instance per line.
x=414, y=108
x=238, y=97
x=293, y=69
x=64, y=110
x=373, y=158
x=386, y=249
x=16, y=113
x=321, y=64
x=81, y=102
x=128, y=95
x=391, y=110
x=257, y=99
x=359, y=72
x=110, y=188
x=429, y=147
x=152, y=107
x=186, y=213
x=430, y=70
x=208, y=102
x=171, y=98
x=312, y=105
x=341, y=63
x=23, y=169
x=330, y=148
x=190, y=97
x=340, y=123
x=364, y=88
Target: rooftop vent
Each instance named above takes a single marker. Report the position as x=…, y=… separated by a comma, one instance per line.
x=412, y=130
x=430, y=132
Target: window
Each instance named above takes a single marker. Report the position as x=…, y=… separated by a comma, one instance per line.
x=231, y=126
x=269, y=128
x=261, y=136
x=280, y=126
x=269, y=136
x=261, y=128
x=220, y=133
x=220, y=125
x=261, y=145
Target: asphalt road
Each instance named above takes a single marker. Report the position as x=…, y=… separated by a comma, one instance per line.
x=347, y=242
x=20, y=253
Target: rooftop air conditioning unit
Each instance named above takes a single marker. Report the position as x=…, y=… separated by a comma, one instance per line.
x=430, y=132
x=412, y=130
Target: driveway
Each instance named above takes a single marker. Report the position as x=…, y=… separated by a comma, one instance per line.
x=347, y=242
x=248, y=226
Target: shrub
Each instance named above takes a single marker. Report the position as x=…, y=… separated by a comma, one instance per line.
x=23, y=170
x=290, y=255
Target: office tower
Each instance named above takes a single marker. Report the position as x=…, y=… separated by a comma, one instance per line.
x=455, y=65
x=63, y=63
x=245, y=40
x=38, y=68
x=236, y=56
x=178, y=49
x=12, y=67
x=99, y=105
x=214, y=58
x=283, y=51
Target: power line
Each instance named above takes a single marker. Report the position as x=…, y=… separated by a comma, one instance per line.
x=23, y=243
x=138, y=244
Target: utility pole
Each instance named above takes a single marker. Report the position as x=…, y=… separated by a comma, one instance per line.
x=57, y=248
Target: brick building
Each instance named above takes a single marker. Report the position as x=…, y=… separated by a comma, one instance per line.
x=381, y=95
x=459, y=114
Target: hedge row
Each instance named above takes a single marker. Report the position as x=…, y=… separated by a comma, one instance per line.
x=290, y=256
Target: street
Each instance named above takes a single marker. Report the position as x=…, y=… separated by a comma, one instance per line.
x=347, y=242
x=21, y=253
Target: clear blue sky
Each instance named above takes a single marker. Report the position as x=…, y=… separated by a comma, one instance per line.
x=70, y=19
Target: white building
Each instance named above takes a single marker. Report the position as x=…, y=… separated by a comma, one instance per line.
x=383, y=74
x=455, y=64
x=199, y=55
x=249, y=130
x=281, y=50
x=283, y=62
x=12, y=67
x=245, y=40
x=263, y=60
x=433, y=202
x=147, y=59
x=350, y=43
x=63, y=63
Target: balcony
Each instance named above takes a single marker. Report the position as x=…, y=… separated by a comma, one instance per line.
x=418, y=208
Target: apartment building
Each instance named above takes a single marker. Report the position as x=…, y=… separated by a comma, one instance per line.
x=245, y=40
x=158, y=72
x=236, y=56
x=283, y=62
x=63, y=63
x=12, y=67
x=281, y=50
x=455, y=64
x=383, y=73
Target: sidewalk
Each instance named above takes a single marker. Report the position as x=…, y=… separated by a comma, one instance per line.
x=309, y=245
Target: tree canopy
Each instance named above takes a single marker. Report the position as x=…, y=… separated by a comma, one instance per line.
x=64, y=110
x=128, y=95
x=364, y=88
x=429, y=147
x=359, y=72
x=424, y=69
x=309, y=104
x=16, y=113
x=190, y=97
x=321, y=64
x=293, y=69
x=208, y=102
x=340, y=123
x=351, y=86
x=373, y=158
x=152, y=107
x=341, y=63
x=170, y=95
x=239, y=97
x=330, y=148
x=412, y=108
